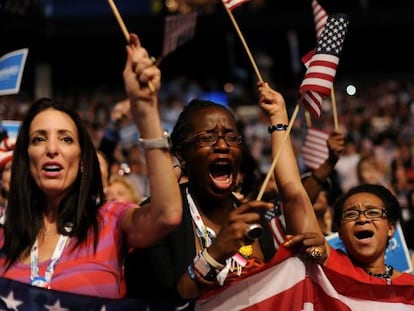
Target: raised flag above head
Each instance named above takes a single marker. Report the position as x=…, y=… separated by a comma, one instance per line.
x=321, y=71
x=320, y=17
x=178, y=30
x=232, y=4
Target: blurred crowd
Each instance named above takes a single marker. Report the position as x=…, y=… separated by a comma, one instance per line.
x=377, y=122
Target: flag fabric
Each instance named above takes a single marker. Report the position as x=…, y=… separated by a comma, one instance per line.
x=18, y=296
x=289, y=283
x=11, y=71
x=315, y=149
x=321, y=71
x=320, y=17
x=178, y=30
x=232, y=4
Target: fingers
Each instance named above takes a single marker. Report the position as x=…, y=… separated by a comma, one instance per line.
x=140, y=67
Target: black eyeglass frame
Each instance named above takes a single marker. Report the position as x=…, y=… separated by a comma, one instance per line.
x=197, y=139
x=379, y=216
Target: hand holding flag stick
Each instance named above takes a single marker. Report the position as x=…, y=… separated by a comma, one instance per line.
x=125, y=32
x=318, y=80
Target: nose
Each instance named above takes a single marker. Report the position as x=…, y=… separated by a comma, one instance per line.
x=51, y=147
x=221, y=143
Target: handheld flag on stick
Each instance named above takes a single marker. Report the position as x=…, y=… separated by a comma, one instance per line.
x=315, y=150
x=178, y=30
x=230, y=5
x=320, y=17
x=319, y=77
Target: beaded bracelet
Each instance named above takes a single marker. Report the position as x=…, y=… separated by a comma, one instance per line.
x=277, y=127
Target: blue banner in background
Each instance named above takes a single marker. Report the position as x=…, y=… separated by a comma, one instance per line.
x=11, y=71
x=396, y=255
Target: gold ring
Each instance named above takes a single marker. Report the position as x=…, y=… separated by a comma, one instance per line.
x=315, y=252
x=153, y=59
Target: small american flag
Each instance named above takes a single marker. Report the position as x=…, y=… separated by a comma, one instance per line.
x=320, y=16
x=315, y=149
x=318, y=80
x=232, y=4
x=178, y=30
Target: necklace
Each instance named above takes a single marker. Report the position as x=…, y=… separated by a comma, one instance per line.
x=386, y=275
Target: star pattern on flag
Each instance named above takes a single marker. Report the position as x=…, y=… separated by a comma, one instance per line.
x=11, y=302
x=333, y=36
x=56, y=307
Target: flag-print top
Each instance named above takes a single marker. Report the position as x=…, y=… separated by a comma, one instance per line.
x=81, y=270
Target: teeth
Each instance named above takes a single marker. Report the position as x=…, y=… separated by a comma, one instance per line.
x=52, y=167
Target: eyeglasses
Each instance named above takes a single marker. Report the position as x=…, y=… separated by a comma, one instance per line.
x=372, y=213
x=205, y=139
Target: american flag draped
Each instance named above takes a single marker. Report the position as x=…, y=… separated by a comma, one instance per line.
x=232, y=4
x=178, y=30
x=290, y=284
x=320, y=17
x=322, y=63
x=23, y=297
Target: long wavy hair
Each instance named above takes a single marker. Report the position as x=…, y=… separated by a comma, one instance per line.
x=27, y=203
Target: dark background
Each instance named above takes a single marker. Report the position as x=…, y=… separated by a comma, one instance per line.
x=82, y=40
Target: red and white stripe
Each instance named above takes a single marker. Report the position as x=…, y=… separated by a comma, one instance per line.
x=232, y=4
x=320, y=16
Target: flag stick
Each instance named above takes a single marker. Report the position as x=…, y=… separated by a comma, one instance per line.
x=335, y=113
x=119, y=19
x=308, y=119
x=259, y=76
x=276, y=158
x=125, y=31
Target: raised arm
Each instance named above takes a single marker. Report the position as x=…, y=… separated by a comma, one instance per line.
x=142, y=79
x=297, y=207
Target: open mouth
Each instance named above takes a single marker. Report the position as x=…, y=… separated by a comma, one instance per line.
x=52, y=168
x=221, y=174
x=365, y=234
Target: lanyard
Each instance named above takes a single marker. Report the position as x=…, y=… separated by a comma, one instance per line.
x=205, y=233
x=35, y=278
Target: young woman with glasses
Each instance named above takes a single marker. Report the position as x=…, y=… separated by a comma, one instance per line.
x=365, y=218
x=220, y=239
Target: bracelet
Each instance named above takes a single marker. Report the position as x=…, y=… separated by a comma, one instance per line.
x=156, y=143
x=277, y=127
x=201, y=265
x=211, y=261
x=191, y=272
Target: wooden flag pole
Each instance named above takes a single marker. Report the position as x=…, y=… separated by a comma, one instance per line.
x=334, y=112
x=119, y=19
x=276, y=158
x=125, y=31
x=249, y=54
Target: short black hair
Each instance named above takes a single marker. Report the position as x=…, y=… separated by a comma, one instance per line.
x=390, y=202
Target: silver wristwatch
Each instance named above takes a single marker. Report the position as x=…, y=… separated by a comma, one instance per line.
x=156, y=143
